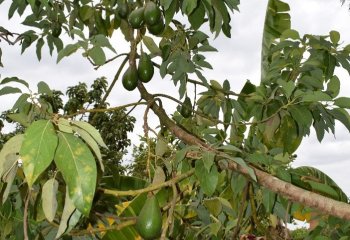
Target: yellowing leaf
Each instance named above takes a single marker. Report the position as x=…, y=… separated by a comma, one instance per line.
x=11, y=147
x=49, y=201
x=77, y=164
x=38, y=149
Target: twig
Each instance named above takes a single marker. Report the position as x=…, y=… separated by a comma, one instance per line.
x=25, y=216
x=145, y=130
x=242, y=209
x=97, y=230
x=170, y=214
x=112, y=59
x=151, y=188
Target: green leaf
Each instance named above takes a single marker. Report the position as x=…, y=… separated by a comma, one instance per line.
x=21, y=118
x=341, y=115
x=67, y=51
x=91, y=130
x=151, y=46
x=92, y=144
x=159, y=177
x=213, y=205
x=8, y=178
x=101, y=41
x=10, y=148
x=9, y=90
x=342, y=102
x=44, y=88
x=97, y=55
x=39, y=46
x=77, y=164
x=161, y=146
x=230, y=148
x=208, y=179
x=64, y=125
x=38, y=149
x=14, y=79
x=316, y=96
x=335, y=37
x=188, y=6
x=208, y=159
x=290, y=33
x=269, y=200
x=333, y=86
x=49, y=200
x=243, y=164
x=196, y=18
x=69, y=216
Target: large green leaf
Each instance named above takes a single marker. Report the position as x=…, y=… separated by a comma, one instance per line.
x=208, y=179
x=77, y=164
x=38, y=149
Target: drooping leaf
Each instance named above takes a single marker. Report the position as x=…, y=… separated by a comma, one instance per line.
x=38, y=149
x=91, y=130
x=8, y=178
x=49, y=200
x=14, y=79
x=11, y=147
x=208, y=179
x=67, y=219
x=151, y=45
x=44, y=88
x=161, y=146
x=97, y=55
x=9, y=90
x=92, y=144
x=77, y=164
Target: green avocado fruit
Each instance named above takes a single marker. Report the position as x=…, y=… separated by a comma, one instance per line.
x=157, y=28
x=136, y=18
x=152, y=13
x=186, y=108
x=149, y=221
x=145, y=68
x=123, y=10
x=130, y=78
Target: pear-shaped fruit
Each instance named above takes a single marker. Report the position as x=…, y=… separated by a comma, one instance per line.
x=158, y=28
x=136, y=19
x=186, y=108
x=152, y=13
x=149, y=221
x=145, y=68
x=123, y=10
x=130, y=78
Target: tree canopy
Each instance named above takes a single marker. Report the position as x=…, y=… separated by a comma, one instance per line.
x=218, y=167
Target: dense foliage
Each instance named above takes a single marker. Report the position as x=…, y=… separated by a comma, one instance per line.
x=218, y=168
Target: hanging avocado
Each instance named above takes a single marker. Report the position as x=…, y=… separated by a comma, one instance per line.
x=123, y=10
x=186, y=108
x=149, y=221
x=130, y=78
x=158, y=28
x=152, y=13
x=145, y=68
x=136, y=19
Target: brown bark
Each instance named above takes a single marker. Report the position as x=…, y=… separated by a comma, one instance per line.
x=293, y=193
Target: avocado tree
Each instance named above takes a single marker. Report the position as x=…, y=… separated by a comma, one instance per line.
x=219, y=166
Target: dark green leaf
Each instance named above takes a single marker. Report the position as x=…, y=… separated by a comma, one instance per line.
x=44, y=88
x=9, y=90
x=14, y=79
x=333, y=86
x=39, y=46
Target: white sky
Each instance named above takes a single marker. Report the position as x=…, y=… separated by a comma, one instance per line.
x=237, y=59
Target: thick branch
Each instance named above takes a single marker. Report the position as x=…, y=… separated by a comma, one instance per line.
x=287, y=190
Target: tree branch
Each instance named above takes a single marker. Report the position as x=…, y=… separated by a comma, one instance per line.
x=287, y=190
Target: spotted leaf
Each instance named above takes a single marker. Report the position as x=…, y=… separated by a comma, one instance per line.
x=38, y=149
x=77, y=165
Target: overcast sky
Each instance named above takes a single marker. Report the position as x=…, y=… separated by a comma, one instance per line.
x=237, y=59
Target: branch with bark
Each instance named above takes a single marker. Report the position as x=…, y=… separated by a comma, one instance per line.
x=293, y=193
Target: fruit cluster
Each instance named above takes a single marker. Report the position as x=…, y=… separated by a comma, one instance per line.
x=144, y=72
x=150, y=14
